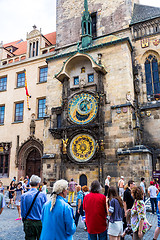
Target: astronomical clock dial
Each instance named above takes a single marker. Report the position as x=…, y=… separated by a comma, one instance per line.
x=82, y=147
x=82, y=108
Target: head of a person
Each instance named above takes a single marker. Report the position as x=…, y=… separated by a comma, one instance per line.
x=72, y=179
x=19, y=185
x=151, y=183
x=85, y=188
x=35, y=181
x=44, y=182
x=142, y=179
x=78, y=188
x=112, y=192
x=25, y=181
x=109, y=177
x=131, y=184
x=59, y=188
x=14, y=178
x=122, y=177
x=137, y=193
x=96, y=187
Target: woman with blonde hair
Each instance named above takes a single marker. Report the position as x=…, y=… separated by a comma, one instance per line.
x=57, y=215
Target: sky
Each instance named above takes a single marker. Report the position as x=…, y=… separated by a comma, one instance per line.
x=18, y=16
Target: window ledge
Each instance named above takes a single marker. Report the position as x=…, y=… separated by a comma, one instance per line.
x=17, y=122
x=41, y=82
x=19, y=87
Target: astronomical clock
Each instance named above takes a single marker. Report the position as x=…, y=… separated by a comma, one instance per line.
x=82, y=110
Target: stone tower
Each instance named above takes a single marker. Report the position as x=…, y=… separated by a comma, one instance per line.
x=109, y=16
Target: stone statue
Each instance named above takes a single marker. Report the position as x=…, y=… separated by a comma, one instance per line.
x=32, y=125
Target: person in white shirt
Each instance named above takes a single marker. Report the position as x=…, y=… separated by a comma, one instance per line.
x=121, y=186
x=153, y=191
x=142, y=185
x=107, y=185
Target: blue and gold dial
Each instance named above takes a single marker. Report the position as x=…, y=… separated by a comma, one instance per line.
x=82, y=108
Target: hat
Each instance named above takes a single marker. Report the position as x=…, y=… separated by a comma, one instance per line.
x=109, y=176
x=122, y=177
x=35, y=179
x=151, y=183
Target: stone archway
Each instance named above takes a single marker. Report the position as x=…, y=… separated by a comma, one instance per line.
x=29, y=157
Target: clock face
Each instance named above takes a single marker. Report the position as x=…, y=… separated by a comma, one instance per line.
x=82, y=108
x=82, y=147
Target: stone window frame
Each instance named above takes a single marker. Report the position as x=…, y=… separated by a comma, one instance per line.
x=22, y=82
x=44, y=75
x=21, y=111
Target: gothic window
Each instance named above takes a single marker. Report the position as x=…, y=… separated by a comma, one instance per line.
x=43, y=74
x=152, y=75
x=33, y=49
x=3, y=83
x=18, y=112
x=2, y=109
x=20, y=79
x=41, y=107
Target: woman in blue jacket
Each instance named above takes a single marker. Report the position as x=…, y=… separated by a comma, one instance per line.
x=57, y=215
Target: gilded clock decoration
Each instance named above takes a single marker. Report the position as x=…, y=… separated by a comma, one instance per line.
x=82, y=108
x=82, y=147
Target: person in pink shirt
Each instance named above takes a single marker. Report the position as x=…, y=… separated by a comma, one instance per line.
x=71, y=188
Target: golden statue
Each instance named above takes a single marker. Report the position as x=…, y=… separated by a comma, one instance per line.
x=64, y=145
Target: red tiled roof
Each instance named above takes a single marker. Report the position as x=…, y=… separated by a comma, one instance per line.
x=51, y=37
x=22, y=45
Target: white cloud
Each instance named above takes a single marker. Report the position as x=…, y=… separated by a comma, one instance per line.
x=18, y=16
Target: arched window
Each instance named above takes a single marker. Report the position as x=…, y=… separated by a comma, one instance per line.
x=152, y=75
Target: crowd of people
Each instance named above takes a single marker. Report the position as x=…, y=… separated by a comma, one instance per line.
x=117, y=212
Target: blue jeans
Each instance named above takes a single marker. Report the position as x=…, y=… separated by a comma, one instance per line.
x=100, y=236
x=153, y=202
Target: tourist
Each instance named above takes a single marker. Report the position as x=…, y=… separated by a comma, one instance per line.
x=121, y=186
x=11, y=194
x=127, y=198
x=17, y=197
x=157, y=231
x=138, y=214
x=2, y=202
x=57, y=215
x=31, y=209
x=155, y=180
x=44, y=187
x=71, y=188
x=115, y=211
x=153, y=191
x=142, y=185
x=107, y=185
x=94, y=205
x=85, y=191
x=1, y=188
x=79, y=204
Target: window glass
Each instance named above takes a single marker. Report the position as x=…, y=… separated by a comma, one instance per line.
x=76, y=80
x=3, y=83
x=91, y=78
x=4, y=163
x=41, y=107
x=21, y=79
x=18, y=112
x=152, y=76
x=2, y=108
x=58, y=120
x=43, y=74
